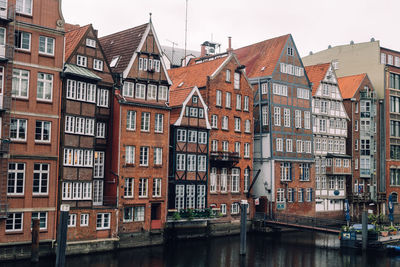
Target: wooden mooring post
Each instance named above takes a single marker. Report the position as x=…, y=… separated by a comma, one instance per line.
x=243, y=228
x=35, y=240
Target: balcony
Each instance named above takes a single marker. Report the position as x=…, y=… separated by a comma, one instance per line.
x=6, y=14
x=223, y=159
x=6, y=52
x=365, y=173
x=360, y=198
x=3, y=211
x=4, y=146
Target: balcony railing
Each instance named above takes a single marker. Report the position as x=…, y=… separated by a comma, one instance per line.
x=6, y=52
x=4, y=146
x=365, y=173
x=223, y=158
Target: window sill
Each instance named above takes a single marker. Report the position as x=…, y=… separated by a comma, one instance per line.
x=128, y=165
x=23, y=51
x=157, y=166
x=21, y=98
x=44, y=101
x=46, y=143
x=46, y=55
x=18, y=141
x=130, y=130
x=25, y=15
x=18, y=232
x=40, y=196
x=146, y=197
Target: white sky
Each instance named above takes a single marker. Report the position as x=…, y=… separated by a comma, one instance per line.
x=314, y=24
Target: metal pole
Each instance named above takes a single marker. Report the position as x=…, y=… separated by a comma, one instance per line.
x=35, y=240
x=62, y=236
x=364, y=230
x=243, y=218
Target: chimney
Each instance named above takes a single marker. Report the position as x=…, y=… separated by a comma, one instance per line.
x=203, y=50
x=229, y=49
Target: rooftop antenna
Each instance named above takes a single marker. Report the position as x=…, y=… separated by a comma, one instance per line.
x=173, y=49
x=150, y=16
x=186, y=29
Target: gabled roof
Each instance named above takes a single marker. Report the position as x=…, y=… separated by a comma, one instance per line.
x=178, y=96
x=261, y=58
x=123, y=44
x=194, y=75
x=73, y=37
x=316, y=73
x=176, y=55
x=349, y=85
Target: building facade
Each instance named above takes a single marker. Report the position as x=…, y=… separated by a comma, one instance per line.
x=85, y=146
x=283, y=136
x=332, y=164
x=141, y=128
x=37, y=60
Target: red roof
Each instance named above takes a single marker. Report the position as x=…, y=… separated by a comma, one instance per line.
x=178, y=96
x=349, y=85
x=73, y=37
x=123, y=44
x=316, y=73
x=261, y=58
x=194, y=75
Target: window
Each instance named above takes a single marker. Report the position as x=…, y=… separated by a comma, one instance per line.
x=128, y=214
x=157, y=157
x=247, y=126
x=190, y=196
x=159, y=123
x=289, y=145
x=145, y=122
x=179, y=197
x=356, y=125
x=103, y=221
x=218, y=98
x=297, y=119
x=102, y=98
x=16, y=178
x=235, y=180
x=279, y=89
x=280, y=195
x=237, y=124
x=286, y=117
x=71, y=220
x=390, y=60
x=131, y=120
x=237, y=148
x=214, y=121
x=100, y=130
x=202, y=163
x=225, y=146
x=42, y=216
x=140, y=91
x=225, y=123
x=238, y=102
x=264, y=88
x=304, y=172
x=23, y=40
x=143, y=182
x=18, y=129
x=152, y=92
x=98, y=64
x=42, y=131
x=277, y=116
x=279, y=144
x=286, y=171
x=213, y=180
x=365, y=147
x=214, y=145
x=192, y=136
x=201, y=197
x=44, y=87
x=223, y=209
x=228, y=99
x=46, y=45
x=191, y=163
x=139, y=214
x=84, y=219
x=224, y=179
x=300, y=196
x=129, y=187
x=24, y=7
x=247, y=150
x=81, y=61
x=290, y=194
x=265, y=115
x=246, y=103
x=290, y=51
x=180, y=162
x=202, y=137
x=181, y=135
x=40, y=178
x=20, y=83
x=228, y=76
x=309, y=195
x=90, y=43
x=322, y=125
x=127, y=89
x=307, y=120
x=236, y=82
x=303, y=93
x=157, y=187
x=98, y=164
x=14, y=222
x=163, y=93
x=144, y=156
x=246, y=179
x=234, y=208
x=97, y=192
x=129, y=155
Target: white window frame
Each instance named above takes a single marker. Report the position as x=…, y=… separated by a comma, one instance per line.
x=129, y=154
x=144, y=156
x=163, y=92
x=159, y=123
x=46, y=45
x=90, y=42
x=17, y=127
x=145, y=122
x=100, y=130
x=23, y=36
x=143, y=187
x=44, y=125
x=129, y=188
x=152, y=92
x=102, y=97
x=103, y=221
x=41, y=176
x=72, y=220
x=84, y=220
x=81, y=61
x=140, y=92
x=98, y=64
x=158, y=156
x=20, y=77
x=157, y=183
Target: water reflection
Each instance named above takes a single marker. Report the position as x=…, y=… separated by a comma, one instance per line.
x=288, y=249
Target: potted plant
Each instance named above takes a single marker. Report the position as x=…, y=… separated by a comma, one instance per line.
x=392, y=230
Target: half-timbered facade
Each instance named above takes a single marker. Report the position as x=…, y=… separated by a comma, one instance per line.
x=283, y=131
x=332, y=164
x=141, y=128
x=360, y=101
x=85, y=145
x=224, y=86
x=189, y=156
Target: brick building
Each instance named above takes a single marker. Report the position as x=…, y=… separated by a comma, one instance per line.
x=141, y=129
x=283, y=135
x=360, y=101
x=34, y=46
x=85, y=146
x=189, y=155
x=332, y=163
x=228, y=95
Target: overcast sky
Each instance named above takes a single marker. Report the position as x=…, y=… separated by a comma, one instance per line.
x=314, y=24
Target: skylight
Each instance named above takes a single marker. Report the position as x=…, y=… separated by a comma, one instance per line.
x=114, y=61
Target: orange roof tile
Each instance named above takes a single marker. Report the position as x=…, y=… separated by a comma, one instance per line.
x=261, y=58
x=194, y=75
x=178, y=96
x=69, y=27
x=349, y=85
x=316, y=73
x=72, y=39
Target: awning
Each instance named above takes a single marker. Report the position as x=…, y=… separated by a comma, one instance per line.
x=80, y=71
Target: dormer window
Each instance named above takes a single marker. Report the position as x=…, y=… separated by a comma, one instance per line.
x=81, y=61
x=114, y=61
x=290, y=51
x=90, y=43
x=194, y=99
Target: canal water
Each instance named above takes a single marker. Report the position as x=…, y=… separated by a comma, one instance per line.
x=295, y=249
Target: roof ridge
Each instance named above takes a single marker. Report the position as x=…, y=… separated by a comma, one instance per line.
x=270, y=39
x=123, y=31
